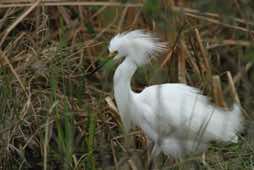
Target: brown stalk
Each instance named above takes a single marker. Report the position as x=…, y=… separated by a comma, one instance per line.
x=182, y=62
x=71, y=3
x=121, y=21
x=185, y=10
x=210, y=17
x=231, y=86
x=197, y=13
x=18, y=20
x=215, y=21
x=167, y=59
x=217, y=92
x=2, y=55
x=227, y=43
x=132, y=164
x=238, y=76
x=64, y=14
x=194, y=65
x=172, y=50
x=111, y=104
x=114, y=154
x=204, y=53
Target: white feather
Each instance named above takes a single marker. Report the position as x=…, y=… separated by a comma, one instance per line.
x=175, y=116
x=139, y=46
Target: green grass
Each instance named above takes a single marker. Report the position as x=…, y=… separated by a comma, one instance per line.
x=91, y=162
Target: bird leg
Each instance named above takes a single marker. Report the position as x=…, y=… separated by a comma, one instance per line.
x=203, y=159
x=155, y=152
x=150, y=157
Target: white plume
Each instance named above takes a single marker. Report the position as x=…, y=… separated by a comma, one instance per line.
x=127, y=44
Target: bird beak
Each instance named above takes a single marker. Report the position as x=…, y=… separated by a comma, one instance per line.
x=111, y=56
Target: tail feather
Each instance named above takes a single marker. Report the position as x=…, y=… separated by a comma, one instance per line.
x=236, y=121
x=227, y=124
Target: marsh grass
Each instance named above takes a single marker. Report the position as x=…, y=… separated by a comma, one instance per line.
x=60, y=119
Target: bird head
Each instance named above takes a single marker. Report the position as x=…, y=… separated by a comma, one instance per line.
x=137, y=45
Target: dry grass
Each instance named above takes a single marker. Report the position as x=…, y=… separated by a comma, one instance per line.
x=55, y=117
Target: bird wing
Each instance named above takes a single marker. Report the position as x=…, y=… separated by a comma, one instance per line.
x=168, y=103
x=187, y=112
x=179, y=108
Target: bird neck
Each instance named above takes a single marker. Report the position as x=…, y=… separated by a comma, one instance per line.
x=122, y=79
x=122, y=89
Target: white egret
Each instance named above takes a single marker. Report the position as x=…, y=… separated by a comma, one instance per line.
x=176, y=117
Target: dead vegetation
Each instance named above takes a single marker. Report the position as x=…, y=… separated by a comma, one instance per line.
x=54, y=116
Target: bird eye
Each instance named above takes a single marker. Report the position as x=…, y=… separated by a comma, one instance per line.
x=114, y=52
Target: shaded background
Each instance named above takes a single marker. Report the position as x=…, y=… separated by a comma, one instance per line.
x=53, y=116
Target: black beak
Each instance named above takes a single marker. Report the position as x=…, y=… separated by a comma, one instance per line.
x=97, y=68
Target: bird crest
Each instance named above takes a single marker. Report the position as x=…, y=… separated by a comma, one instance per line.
x=137, y=45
